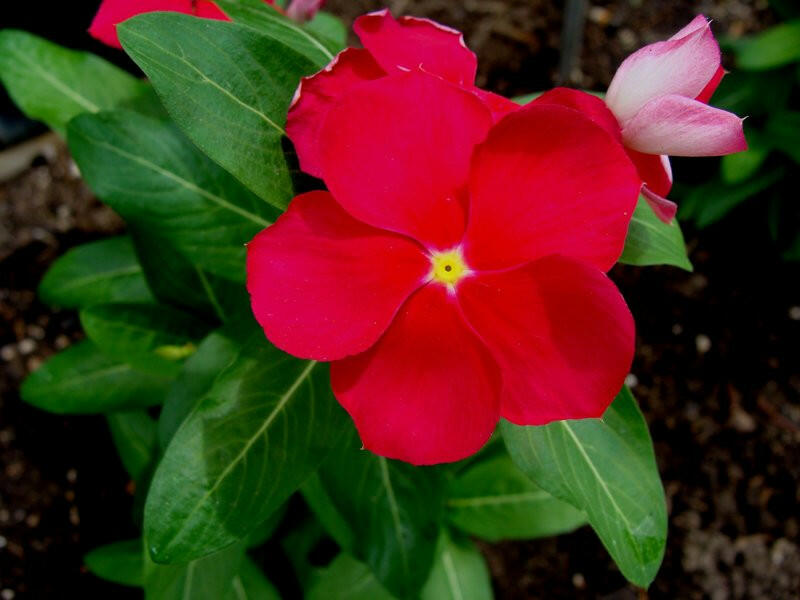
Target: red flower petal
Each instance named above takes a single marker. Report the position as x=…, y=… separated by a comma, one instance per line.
x=664, y=209
x=654, y=170
x=325, y=286
x=316, y=94
x=428, y=391
x=208, y=10
x=548, y=180
x=711, y=86
x=561, y=333
x=591, y=106
x=410, y=43
x=396, y=151
x=112, y=12
x=500, y=106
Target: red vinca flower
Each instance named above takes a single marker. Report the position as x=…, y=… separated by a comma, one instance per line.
x=455, y=271
x=656, y=106
x=390, y=46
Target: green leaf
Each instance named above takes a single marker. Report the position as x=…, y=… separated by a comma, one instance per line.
x=120, y=562
x=708, y=203
x=218, y=350
x=394, y=511
x=526, y=98
x=459, y=573
x=348, y=579
x=753, y=93
x=174, y=280
x=150, y=337
x=134, y=435
x=298, y=545
x=793, y=252
x=154, y=177
x=261, y=533
x=227, y=86
x=82, y=380
x=606, y=468
x=736, y=168
x=318, y=43
x=650, y=241
x=265, y=425
x=52, y=84
x=251, y=584
x=317, y=498
x=783, y=131
x=226, y=575
x=775, y=47
x=495, y=501
x=211, y=578
x=95, y=273
x=330, y=30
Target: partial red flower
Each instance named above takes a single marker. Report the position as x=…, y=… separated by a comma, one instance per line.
x=656, y=105
x=390, y=46
x=113, y=12
x=455, y=271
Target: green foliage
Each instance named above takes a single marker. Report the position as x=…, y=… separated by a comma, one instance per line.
x=650, y=241
x=52, y=84
x=459, y=572
x=149, y=337
x=156, y=179
x=217, y=350
x=120, y=562
x=318, y=41
x=606, y=468
x=96, y=273
x=329, y=30
x=264, y=426
x=135, y=437
x=227, y=86
x=394, y=511
x=773, y=48
x=709, y=202
x=494, y=500
x=346, y=578
x=173, y=279
x=83, y=380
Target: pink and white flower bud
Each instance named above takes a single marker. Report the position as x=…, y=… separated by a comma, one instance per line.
x=303, y=10
x=658, y=96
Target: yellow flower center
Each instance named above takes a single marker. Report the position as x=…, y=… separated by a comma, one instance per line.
x=448, y=267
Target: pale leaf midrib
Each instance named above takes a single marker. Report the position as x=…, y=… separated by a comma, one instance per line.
x=185, y=183
x=58, y=84
x=628, y=527
x=499, y=499
x=77, y=282
x=213, y=83
x=452, y=575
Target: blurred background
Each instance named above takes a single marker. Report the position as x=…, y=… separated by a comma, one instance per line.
x=717, y=367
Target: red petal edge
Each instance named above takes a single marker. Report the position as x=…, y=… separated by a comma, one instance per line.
x=561, y=333
x=428, y=391
x=323, y=285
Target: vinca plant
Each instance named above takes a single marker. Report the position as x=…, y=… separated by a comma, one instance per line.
x=355, y=283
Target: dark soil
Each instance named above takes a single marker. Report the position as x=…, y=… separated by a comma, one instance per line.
x=716, y=370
